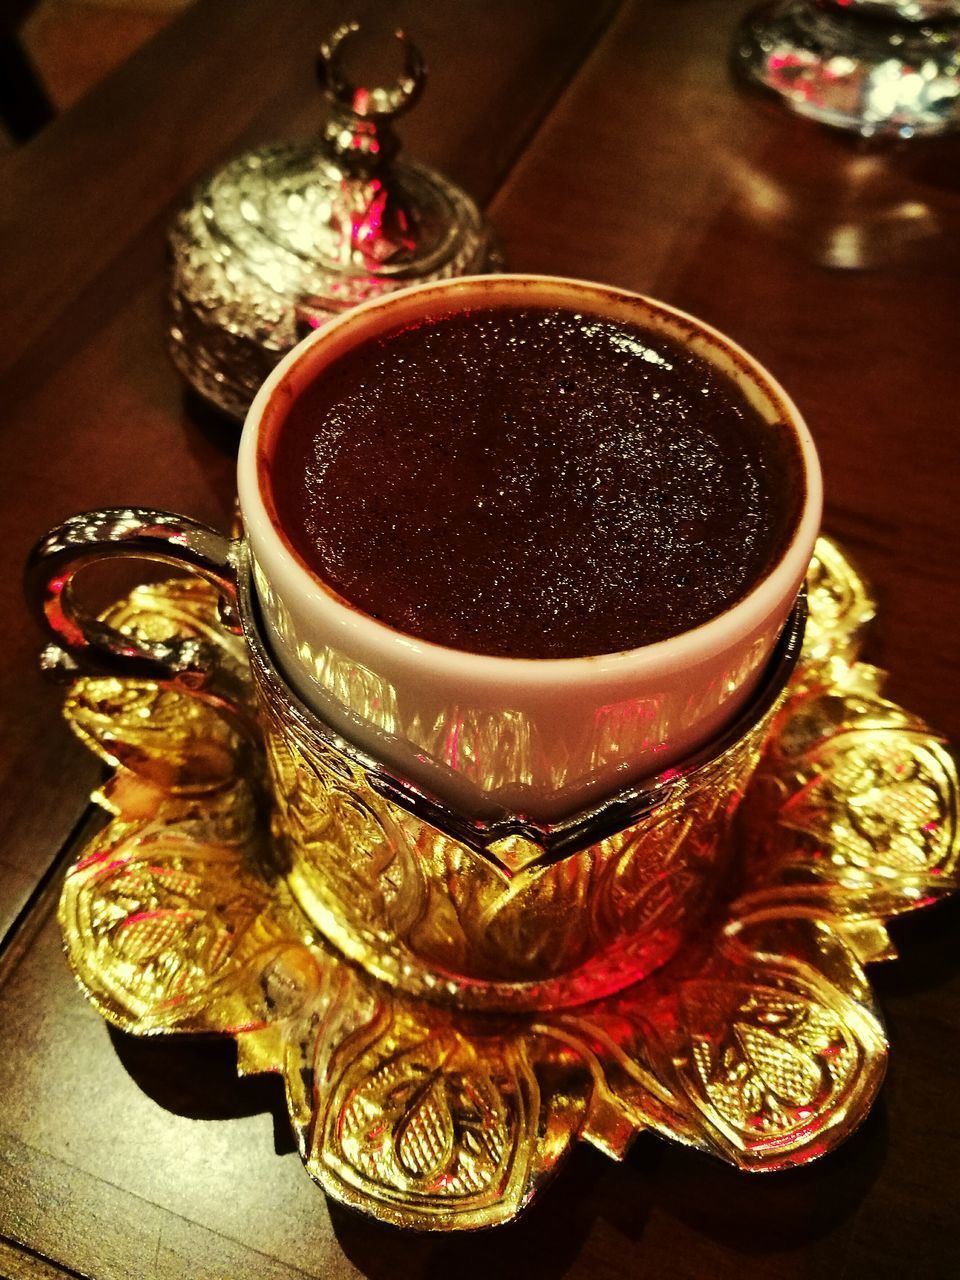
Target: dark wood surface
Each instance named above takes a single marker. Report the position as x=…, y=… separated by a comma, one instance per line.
x=91, y=411
x=607, y=141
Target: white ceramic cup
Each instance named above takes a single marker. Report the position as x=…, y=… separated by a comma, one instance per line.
x=541, y=737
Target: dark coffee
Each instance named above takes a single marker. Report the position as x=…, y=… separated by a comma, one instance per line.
x=533, y=483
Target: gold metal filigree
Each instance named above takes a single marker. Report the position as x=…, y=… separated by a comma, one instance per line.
x=423, y=911
x=480, y=913
x=759, y=1042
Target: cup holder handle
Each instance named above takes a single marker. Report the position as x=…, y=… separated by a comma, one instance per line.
x=85, y=644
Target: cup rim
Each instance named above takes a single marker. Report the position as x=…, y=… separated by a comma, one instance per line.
x=344, y=619
x=586, y=825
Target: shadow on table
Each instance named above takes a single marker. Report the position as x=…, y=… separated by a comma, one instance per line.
x=928, y=955
x=750, y=1214
x=544, y=1242
x=629, y=1213
x=757, y=1214
x=216, y=429
x=196, y=1077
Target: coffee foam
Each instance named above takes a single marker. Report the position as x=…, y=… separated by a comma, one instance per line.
x=532, y=482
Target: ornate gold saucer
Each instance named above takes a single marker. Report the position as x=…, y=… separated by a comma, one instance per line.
x=760, y=1042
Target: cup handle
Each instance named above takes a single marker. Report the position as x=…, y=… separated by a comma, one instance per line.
x=86, y=644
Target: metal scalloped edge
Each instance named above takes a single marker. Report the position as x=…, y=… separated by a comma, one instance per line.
x=710, y=1056
x=524, y=1165
x=837, y=1026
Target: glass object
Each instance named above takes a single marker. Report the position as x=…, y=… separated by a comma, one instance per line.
x=873, y=67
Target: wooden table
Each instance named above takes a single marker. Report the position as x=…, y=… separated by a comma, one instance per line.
x=606, y=141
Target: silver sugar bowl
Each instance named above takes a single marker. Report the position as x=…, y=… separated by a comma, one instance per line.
x=284, y=237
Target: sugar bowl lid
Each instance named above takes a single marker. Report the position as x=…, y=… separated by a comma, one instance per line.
x=284, y=237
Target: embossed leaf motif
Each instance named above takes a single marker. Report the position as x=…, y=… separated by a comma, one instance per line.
x=318, y=808
x=423, y=1136
x=164, y=927
x=175, y=741
x=879, y=804
x=135, y=887
x=891, y=815
x=146, y=936
x=164, y=939
x=790, y=1075
x=768, y=1065
x=421, y=1121
x=647, y=881
x=840, y=605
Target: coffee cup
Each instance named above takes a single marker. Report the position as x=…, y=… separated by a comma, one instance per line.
x=507, y=832
x=543, y=737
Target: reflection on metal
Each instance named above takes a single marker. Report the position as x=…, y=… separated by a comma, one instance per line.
x=879, y=67
x=284, y=237
x=488, y=759
x=760, y=1041
x=503, y=911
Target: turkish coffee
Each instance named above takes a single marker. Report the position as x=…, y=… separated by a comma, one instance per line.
x=532, y=482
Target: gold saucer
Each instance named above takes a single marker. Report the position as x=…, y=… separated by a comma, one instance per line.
x=761, y=1042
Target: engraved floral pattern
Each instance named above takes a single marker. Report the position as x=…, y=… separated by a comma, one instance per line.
x=269, y=245
x=426, y=912
x=759, y=1042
